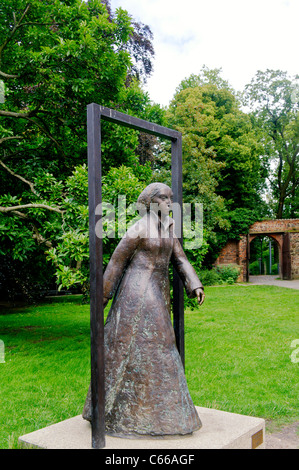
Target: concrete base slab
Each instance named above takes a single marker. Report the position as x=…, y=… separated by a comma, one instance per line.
x=220, y=430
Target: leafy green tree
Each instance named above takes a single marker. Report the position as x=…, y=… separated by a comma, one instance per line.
x=55, y=58
x=201, y=171
x=223, y=164
x=211, y=113
x=62, y=234
x=205, y=77
x=274, y=101
x=70, y=252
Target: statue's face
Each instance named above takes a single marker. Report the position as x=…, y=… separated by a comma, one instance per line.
x=162, y=201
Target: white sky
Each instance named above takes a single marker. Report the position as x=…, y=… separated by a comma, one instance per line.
x=239, y=36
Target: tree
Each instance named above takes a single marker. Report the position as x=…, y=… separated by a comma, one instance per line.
x=201, y=171
x=223, y=167
x=274, y=101
x=139, y=47
x=205, y=77
x=70, y=252
x=55, y=58
x=216, y=120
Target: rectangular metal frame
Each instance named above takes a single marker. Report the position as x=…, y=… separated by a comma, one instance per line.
x=95, y=113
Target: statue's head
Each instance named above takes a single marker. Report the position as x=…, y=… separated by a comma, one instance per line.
x=156, y=196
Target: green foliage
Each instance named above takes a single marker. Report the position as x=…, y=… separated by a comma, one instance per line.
x=64, y=56
x=228, y=272
x=254, y=268
x=55, y=58
x=65, y=234
x=222, y=164
x=210, y=277
x=206, y=76
x=274, y=101
x=210, y=118
x=239, y=220
x=70, y=254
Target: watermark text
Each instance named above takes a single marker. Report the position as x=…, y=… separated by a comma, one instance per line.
x=295, y=354
x=136, y=219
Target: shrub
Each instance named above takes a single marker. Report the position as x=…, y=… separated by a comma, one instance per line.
x=254, y=268
x=228, y=272
x=274, y=269
x=210, y=277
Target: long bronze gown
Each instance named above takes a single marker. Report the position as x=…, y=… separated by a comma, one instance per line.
x=145, y=386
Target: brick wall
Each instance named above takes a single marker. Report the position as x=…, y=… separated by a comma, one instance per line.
x=294, y=242
x=235, y=251
x=230, y=253
x=279, y=225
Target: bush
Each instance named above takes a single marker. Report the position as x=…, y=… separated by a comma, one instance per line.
x=228, y=272
x=210, y=277
x=213, y=277
x=254, y=268
x=275, y=269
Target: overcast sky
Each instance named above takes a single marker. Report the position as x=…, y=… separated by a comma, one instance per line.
x=239, y=36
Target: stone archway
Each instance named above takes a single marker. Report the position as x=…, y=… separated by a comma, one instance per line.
x=286, y=234
x=265, y=254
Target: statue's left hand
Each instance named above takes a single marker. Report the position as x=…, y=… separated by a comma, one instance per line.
x=200, y=295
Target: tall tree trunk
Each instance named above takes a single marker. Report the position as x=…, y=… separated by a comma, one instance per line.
x=280, y=206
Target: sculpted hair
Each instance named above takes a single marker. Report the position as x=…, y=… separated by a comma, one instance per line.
x=145, y=198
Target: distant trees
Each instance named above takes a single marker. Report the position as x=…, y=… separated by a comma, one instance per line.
x=230, y=154
x=224, y=167
x=274, y=101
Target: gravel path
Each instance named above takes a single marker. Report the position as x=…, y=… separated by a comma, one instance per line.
x=273, y=281
x=286, y=438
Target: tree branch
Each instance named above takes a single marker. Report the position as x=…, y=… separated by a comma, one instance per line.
x=39, y=238
x=4, y=139
x=7, y=75
x=29, y=206
x=19, y=177
x=15, y=27
x=27, y=116
x=18, y=24
x=14, y=115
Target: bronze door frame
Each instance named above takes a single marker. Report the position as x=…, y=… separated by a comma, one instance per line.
x=95, y=113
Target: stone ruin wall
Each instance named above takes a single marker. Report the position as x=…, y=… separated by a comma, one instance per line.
x=235, y=251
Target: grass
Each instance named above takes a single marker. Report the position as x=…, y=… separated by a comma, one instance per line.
x=238, y=351
x=46, y=372
x=237, y=358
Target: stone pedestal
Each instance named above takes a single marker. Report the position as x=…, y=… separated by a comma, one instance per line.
x=220, y=430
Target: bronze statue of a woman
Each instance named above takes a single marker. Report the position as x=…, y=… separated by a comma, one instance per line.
x=146, y=393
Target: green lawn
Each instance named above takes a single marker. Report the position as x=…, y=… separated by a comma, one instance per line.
x=238, y=347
